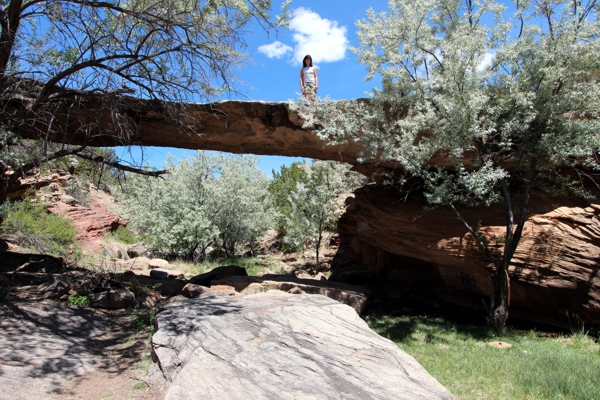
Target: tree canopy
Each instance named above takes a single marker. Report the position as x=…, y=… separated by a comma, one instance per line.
x=509, y=94
x=55, y=54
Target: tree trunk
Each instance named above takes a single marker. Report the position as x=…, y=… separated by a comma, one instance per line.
x=3, y=185
x=500, y=298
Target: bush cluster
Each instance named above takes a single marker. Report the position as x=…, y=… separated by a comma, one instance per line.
x=30, y=225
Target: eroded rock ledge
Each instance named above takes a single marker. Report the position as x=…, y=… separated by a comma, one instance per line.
x=554, y=275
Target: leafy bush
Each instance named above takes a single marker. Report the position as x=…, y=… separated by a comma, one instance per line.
x=31, y=225
x=309, y=206
x=210, y=200
x=124, y=235
x=79, y=301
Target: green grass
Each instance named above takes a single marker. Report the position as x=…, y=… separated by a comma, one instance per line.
x=459, y=357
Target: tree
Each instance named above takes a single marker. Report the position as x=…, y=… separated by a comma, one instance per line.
x=210, y=200
x=283, y=183
x=244, y=207
x=175, y=212
x=55, y=54
x=313, y=208
x=512, y=100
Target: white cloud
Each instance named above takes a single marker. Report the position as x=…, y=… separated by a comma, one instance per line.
x=323, y=39
x=275, y=49
x=488, y=57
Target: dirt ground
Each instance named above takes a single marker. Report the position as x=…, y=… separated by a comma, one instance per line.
x=54, y=351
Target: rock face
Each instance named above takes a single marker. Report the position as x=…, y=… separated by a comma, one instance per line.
x=278, y=345
x=354, y=296
x=555, y=270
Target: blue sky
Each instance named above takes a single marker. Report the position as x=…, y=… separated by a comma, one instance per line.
x=322, y=28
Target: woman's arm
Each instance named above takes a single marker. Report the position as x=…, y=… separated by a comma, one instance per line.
x=301, y=81
x=316, y=80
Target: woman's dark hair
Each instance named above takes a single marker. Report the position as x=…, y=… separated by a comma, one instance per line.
x=304, y=60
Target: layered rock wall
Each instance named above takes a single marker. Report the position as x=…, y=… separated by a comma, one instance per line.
x=554, y=276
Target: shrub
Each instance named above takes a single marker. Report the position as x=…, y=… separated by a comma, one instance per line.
x=124, y=235
x=31, y=225
x=79, y=301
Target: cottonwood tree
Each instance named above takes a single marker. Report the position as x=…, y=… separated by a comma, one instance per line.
x=55, y=54
x=511, y=96
x=312, y=206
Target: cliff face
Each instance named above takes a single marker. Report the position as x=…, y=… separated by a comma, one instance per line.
x=555, y=270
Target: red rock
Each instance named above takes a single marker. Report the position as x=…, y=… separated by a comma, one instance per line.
x=555, y=269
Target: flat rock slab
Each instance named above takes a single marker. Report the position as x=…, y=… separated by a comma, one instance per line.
x=277, y=345
x=42, y=345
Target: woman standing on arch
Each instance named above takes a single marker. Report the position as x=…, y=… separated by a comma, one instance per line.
x=309, y=82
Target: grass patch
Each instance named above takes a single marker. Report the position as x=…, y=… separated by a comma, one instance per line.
x=459, y=357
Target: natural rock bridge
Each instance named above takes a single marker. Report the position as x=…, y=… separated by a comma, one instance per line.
x=556, y=268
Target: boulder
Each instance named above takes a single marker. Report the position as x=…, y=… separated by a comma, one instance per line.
x=355, y=296
x=70, y=200
x=158, y=263
x=116, y=250
x=164, y=274
x=206, y=278
x=192, y=291
x=284, y=346
x=112, y=300
x=139, y=250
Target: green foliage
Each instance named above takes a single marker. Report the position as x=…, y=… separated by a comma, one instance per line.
x=31, y=225
x=509, y=98
x=210, y=200
x=312, y=205
x=79, y=301
x=283, y=183
x=124, y=235
x=459, y=357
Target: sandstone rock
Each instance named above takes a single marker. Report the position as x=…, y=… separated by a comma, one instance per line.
x=320, y=277
x=116, y=250
x=139, y=250
x=112, y=300
x=296, y=290
x=354, y=296
x=92, y=223
x=224, y=290
x=554, y=270
x=70, y=200
x=192, y=291
x=158, y=263
x=284, y=346
x=206, y=278
x=289, y=257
